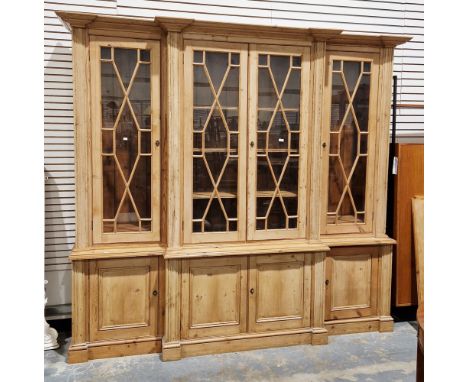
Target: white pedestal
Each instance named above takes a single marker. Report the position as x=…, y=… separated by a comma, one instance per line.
x=50, y=334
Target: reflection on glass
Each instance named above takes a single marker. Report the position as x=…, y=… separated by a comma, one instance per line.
x=348, y=142
x=126, y=140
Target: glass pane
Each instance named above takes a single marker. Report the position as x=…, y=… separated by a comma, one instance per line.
x=230, y=93
x=140, y=97
x=140, y=187
x=228, y=182
x=235, y=58
x=358, y=184
x=280, y=67
x=113, y=187
x=348, y=144
x=292, y=93
x=215, y=219
x=216, y=64
x=266, y=92
x=339, y=102
x=336, y=183
x=202, y=94
x=111, y=95
x=125, y=60
x=215, y=132
x=336, y=65
x=144, y=55
x=201, y=179
x=277, y=218
x=361, y=102
x=351, y=71
x=278, y=133
x=127, y=219
x=126, y=142
x=107, y=141
x=106, y=53
x=296, y=61
x=198, y=57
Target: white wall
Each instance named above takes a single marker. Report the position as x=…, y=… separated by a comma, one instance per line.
x=390, y=16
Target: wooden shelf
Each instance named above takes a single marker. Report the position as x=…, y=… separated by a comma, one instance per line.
x=207, y=195
x=269, y=194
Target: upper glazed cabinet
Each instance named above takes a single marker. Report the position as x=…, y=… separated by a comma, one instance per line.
x=349, y=134
x=245, y=160
x=125, y=140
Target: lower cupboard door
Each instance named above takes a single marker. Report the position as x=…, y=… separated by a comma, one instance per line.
x=279, y=292
x=351, y=282
x=214, y=297
x=123, y=298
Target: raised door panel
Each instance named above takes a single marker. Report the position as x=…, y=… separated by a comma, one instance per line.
x=125, y=124
x=351, y=284
x=348, y=136
x=214, y=297
x=123, y=298
x=278, y=131
x=279, y=292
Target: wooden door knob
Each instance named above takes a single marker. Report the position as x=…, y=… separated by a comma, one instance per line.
x=252, y=290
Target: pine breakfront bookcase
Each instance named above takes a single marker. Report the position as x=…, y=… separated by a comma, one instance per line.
x=230, y=186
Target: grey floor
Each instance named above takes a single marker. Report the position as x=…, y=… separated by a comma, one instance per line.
x=352, y=357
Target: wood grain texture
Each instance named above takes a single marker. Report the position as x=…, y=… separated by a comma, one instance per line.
x=382, y=140
x=385, y=283
x=81, y=101
x=123, y=298
x=174, y=116
x=409, y=182
x=418, y=226
x=352, y=276
x=279, y=292
x=214, y=297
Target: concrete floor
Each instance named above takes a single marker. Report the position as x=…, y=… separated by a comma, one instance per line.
x=352, y=357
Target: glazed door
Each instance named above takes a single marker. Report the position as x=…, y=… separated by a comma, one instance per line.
x=123, y=298
x=125, y=139
x=278, y=125
x=351, y=282
x=214, y=297
x=214, y=138
x=349, y=143
x=279, y=292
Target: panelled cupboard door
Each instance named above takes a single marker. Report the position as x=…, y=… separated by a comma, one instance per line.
x=125, y=139
x=123, y=298
x=278, y=125
x=214, y=134
x=351, y=282
x=348, y=136
x=279, y=292
x=214, y=297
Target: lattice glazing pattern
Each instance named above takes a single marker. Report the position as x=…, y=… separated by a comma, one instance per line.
x=348, y=142
x=126, y=139
x=215, y=141
x=278, y=136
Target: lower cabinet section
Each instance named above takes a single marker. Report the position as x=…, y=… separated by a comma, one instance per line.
x=227, y=303
x=351, y=282
x=123, y=298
